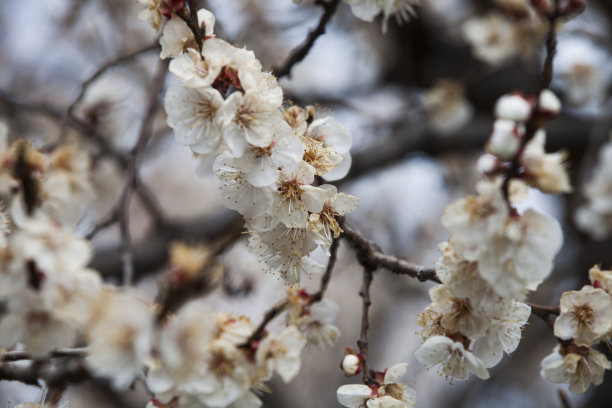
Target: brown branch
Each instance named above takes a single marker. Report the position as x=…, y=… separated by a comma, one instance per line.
x=260, y=332
x=12, y=356
x=564, y=400
x=545, y=313
x=302, y=50
x=132, y=173
x=536, y=119
x=370, y=255
x=100, y=71
x=73, y=371
x=362, y=343
x=333, y=256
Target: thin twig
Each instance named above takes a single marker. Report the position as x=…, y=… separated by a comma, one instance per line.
x=369, y=254
x=333, y=256
x=536, y=120
x=362, y=343
x=545, y=313
x=100, y=71
x=259, y=333
x=564, y=400
x=72, y=372
x=132, y=174
x=301, y=51
x=12, y=356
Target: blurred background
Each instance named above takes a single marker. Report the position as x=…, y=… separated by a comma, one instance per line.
x=418, y=101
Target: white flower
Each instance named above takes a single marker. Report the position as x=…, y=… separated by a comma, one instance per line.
x=601, y=279
x=351, y=365
x=549, y=103
x=247, y=121
x=596, y=216
x=335, y=138
x=586, y=315
x=31, y=322
x=263, y=164
x=67, y=186
x=193, y=114
x=45, y=242
x=281, y=352
x=455, y=359
x=458, y=314
x=176, y=37
x=492, y=38
x=513, y=107
x=338, y=203
x=403, y=10
x=390, y=394
x=505, y=139
x=545, y=171
x=446, y=106
x=294, y=197
x=236, y=192
x=580, y=367
x=287, y=258
x=119, y=341
x=473, y=221
x=206, y=20
x=316, y=323
x=503, y=334
x=522, y=257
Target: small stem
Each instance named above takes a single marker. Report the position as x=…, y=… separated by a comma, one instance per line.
x=545, y=313
x=369, y=254
x=362, y=343
x=333, y=251
x=259, y=333
x=301, y=51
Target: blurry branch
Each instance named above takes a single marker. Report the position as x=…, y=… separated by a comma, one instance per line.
x=259, y=333
x=302, y=50
x=331, y=263
x=370, y=256
x=545, y=313
x=100, y=71
x=172, y=296
x=152, y=253
x=564, y=400
x=54, y=376
x=88, y=132
x=12, y=356
x=362, y=342
x=405, y=141
x=132, y=172
x=536, y=119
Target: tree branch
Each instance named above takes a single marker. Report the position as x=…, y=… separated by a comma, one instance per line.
x=132, y=173
x=370, y=255
x=545, y=313
x=333, y=256
x=301, y=51
x=362, y=343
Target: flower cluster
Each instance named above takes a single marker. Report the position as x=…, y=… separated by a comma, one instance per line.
x=367, y=10
x=585, y=320
x=595, y=216
x=494, y=255
x=545, y=171
x=45, y=285
x=266, y=157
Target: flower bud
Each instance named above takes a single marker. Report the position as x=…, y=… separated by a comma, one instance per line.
x=351, y=365
x=505, y=139
x=549, y=104
x=513, y=107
